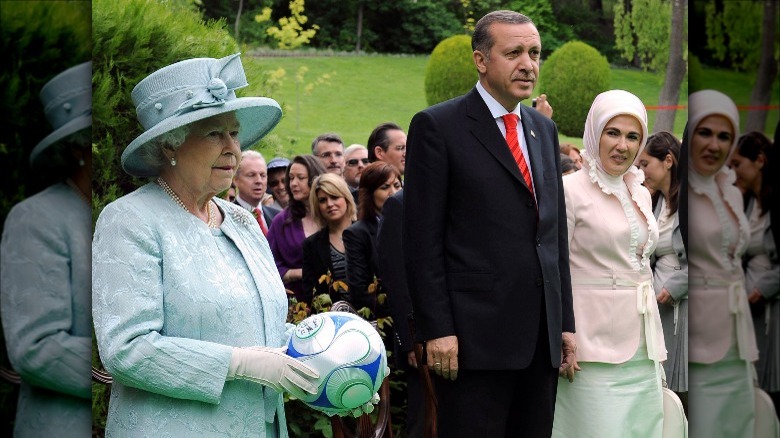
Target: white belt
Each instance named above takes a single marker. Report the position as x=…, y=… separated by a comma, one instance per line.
x=737, y=306
x=645, y=303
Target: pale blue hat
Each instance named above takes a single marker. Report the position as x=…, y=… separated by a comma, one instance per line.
x=67, y=104
x=192, y=90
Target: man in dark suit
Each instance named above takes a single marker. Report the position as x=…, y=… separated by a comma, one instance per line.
x=490, y=287
x=251, y=180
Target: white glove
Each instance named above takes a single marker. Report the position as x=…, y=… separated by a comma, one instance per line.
x=272, y=367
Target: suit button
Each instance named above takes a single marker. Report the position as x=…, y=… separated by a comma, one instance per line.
x=539, y=281
x=530, y=204
x=538, y=242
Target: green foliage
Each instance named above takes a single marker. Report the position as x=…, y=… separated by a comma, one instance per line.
x=290, y=33
x=451, y=71
x=578, y=20
x=734, y=33
x=39, y=40
x=643, y=33
x=553, y=34
x=572, y=77
x=694, y=74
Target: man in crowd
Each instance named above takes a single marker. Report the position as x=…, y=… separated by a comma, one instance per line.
x=329, y=148
x=250, y=180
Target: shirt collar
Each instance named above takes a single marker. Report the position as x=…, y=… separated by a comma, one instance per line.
x=496, y=109
x=245, y=204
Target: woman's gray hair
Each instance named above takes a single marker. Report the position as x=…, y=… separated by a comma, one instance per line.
x=153, y=154
x=482, y=40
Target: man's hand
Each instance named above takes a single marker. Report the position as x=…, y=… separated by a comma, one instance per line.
x=569, y=360
x=543, y=106
x=443, y=356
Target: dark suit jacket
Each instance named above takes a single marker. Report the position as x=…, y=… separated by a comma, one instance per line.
x=316, y=263
x=362, y=264
x=485, y=274
x=389, y=245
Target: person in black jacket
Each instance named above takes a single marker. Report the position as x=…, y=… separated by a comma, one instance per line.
x=324, y=258
x=379, y=181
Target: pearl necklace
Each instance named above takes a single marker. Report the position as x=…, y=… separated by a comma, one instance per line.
x=212, y=216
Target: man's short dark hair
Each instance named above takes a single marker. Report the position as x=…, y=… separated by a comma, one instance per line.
x=482, y=40
x=329, y=137
x=380, y=138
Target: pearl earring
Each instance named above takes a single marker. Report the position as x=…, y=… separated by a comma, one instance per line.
x=173, y=161
x=81, y=162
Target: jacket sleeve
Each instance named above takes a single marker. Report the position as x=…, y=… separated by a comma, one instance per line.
x=312, y=271
x=38, y=305
x=129, y=315
x=391, y=263
x=425, y=194
x=357, y=244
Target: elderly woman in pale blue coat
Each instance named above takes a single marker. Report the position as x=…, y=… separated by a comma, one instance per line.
x=45, y=271
x=188, y=306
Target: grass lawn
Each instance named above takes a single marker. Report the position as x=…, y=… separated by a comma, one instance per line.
x=364, y=91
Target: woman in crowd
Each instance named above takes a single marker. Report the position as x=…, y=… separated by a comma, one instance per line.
x=379, y=181
x=752, y=162
x=45, y=270
x=294, y=224
x=659, y=162
x=188, y=307
x=612, y=234
x=323, y=251
x=722, y=345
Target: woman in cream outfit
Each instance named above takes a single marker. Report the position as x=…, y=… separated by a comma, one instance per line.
x=612, y=233
x=722, y=345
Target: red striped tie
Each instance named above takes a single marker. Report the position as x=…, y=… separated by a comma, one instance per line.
x=510, y=122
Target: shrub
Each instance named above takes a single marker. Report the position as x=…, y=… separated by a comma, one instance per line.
x=451, y=71
x=572, y=77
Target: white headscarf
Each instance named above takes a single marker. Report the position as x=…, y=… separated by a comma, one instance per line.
x=627, y=186
x=605, y=107
x=703, y=104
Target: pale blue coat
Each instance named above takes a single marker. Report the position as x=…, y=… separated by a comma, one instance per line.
x=45, y=283
x=169, y=304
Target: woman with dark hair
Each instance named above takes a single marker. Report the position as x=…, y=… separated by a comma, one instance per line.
x=294, y=224
x=323, y=252
x=378, y=182
x=659, y=162
x=751, y=163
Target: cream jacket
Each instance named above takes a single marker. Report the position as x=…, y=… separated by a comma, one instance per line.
x=612, y=287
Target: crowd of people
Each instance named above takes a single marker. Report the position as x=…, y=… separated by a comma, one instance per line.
x=549, y=285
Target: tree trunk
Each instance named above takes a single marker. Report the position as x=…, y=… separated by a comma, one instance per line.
x=767, y=70
x=359, y=26
x=675, y=70
x=238, y=20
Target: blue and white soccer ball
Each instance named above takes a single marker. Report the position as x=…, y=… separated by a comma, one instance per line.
x=349, y=355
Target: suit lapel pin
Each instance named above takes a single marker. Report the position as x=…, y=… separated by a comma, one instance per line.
x=532, y=134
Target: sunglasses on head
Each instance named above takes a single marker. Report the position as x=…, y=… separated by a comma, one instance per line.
x=354, y=161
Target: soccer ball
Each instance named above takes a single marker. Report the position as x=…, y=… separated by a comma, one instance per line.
x=349, y=355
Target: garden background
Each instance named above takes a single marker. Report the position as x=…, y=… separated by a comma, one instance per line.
x=345, y=66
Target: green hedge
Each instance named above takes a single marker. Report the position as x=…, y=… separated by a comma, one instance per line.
x=450, y=71
x=572, y=77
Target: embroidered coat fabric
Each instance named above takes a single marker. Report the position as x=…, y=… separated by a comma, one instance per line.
x=45, y=302
x=169, y=304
